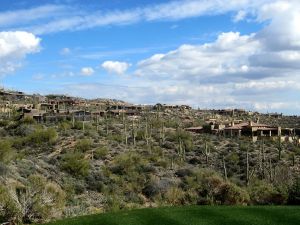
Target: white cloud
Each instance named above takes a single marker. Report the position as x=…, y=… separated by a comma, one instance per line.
x=115, y=67
x=55, y=18
x=276, y=106
x=282, y=33
x=14, y=46
x=241, y=15
x=226, y=57
x=254, y=71
x=38, y=76
x=87, y=71
x=65, y=51
x=11, y=18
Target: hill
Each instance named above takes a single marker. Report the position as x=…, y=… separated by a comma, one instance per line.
x=63, y=157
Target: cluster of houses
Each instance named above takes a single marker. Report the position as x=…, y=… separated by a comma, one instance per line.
x=249, y=129
x=60, y=107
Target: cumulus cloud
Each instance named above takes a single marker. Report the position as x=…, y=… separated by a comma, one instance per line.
x=258, y=71
x=272, y=52
x=248, y=69
x=15, y=46
x=115, y=67
x=225, y=58
x=87, y=71
x=282, y=33
x=235, y=70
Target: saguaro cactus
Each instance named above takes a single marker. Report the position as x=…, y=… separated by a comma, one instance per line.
x=279, y=148
x=247, y=167
x=224, y=168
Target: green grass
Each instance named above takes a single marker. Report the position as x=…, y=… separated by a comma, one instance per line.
x=194, y=215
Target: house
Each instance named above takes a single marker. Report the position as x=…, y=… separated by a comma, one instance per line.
x=33, y=114
x=159, y=106
x=116, y=112
x=275, y=115
x=251, y=129
x=119, y=112
x=81, y=115
x=100, y=113
x=47, y=106
x=195, y=129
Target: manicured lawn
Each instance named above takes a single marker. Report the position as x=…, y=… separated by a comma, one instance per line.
x=194, y=215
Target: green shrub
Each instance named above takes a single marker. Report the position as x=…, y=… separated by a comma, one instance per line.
x=83, y=145
x=263, y=193
x=64, y=126
x=37, y=201
x=294, y=192
x=116, y=137
x=213, y=189
x=75, y=164
x=174, y=196
x=8, y=207
x=42, y=136
x=6, y=151
x=231, y=194
x=28, y=120
x=100, y=153
x=183, y=136
x=40, y=200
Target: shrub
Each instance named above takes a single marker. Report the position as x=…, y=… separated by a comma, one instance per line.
x=95, y=182
x=231, y=194
x=213, y=189
x=28, y=120
x=174, y=196
x=64, y=126
x=41, y=136
x=262, y=193
x=37, y=201
x=116, y=137
x=75, y=164
x=83, y=145
x=6, y=151
x=127, y=163
x=100, y=153
x=181, y=135
x=294, y=193
x=151, y=189
x=8, y=208
x=40, y=200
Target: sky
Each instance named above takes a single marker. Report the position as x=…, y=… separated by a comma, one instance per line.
x=204, y=53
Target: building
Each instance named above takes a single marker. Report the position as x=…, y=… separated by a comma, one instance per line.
x=251, y=129
x=197, y=130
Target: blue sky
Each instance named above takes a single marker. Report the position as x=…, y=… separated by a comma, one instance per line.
x=209, y=54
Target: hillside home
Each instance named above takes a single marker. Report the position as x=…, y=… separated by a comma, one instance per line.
x=251, y=129
x=197, y=130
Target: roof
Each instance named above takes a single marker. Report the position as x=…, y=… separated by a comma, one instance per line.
x=247, y=124
x=194, y=128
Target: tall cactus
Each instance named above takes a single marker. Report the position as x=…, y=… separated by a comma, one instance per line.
x=247, y=168
x=133, y=133
x=106, y=123
x=279, y=148
x=224, y=168
x=206, y=152
x=125, y=130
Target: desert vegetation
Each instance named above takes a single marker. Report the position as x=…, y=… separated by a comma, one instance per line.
x=66, y=168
